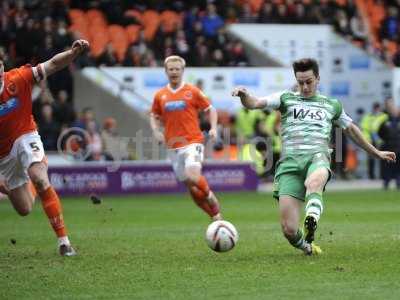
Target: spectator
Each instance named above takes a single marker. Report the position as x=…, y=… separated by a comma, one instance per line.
x=389, y=132
x=282, y=14
x=341, y=24
x=238, y=56
x=396, y=57
x=246, y=15
x=62, y=38
x=211, y=21
x=63, y=110
x=108, y=58
x=267, y=13
x=132, y=57
x=115, y=147
x=182, y=46
x=94, y=143
x=390, y=25
x=86, y=116
x=49, y=129
x=44, y=98
x=325, y=12
x=359, y=29
x=218, y=59
x=148, y=59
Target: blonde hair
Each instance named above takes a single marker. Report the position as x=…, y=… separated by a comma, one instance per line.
x=173, y=58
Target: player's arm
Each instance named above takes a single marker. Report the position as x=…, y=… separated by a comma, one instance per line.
x=248, y=101
x=63, y=59
x=252, y=102
x=356, y=135
x=156, y=127
x=213, y=132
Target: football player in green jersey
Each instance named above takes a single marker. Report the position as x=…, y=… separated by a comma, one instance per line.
x=304, y=168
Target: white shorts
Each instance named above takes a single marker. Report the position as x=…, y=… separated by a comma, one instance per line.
x=181, y=158
x=26, y=150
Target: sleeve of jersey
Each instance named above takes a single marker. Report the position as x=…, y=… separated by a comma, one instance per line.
x=38, y=73
x=204, y=103
x=32, y=74
x=344, y=120
x=272, y=101
x=155, y=108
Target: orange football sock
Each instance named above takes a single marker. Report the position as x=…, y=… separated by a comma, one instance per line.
x=199, y=198
x=52, y=206
x=202, y=185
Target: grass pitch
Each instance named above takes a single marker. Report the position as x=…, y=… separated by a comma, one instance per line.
x=152, y=247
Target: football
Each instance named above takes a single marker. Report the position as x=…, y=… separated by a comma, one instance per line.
x=221, y=236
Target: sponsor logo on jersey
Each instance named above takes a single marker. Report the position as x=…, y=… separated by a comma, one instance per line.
x=175, y=105
x=188, y=95
x=302, y=113
x=12, y=88
x=9, y=106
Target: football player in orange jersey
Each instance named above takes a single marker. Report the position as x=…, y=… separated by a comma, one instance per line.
x=22, y=157
x=175, y=110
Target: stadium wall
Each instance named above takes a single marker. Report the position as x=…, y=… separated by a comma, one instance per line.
x=90, y=93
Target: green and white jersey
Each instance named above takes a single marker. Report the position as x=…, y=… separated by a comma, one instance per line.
x=306, y=125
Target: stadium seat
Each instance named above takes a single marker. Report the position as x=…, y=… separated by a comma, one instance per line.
x=118, y=39
x=132, y=33
x=81, y=29
x=135, y=14
x=99, y=39
x=151, y=20
x=170, y=20
x=76, y=14
x=94, y=13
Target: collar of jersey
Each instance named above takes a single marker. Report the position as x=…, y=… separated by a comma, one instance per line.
x=177, y=89
x=310, y=98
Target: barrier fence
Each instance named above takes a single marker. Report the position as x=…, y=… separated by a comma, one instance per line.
x=132, y=178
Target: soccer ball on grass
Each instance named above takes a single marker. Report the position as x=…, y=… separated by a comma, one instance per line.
x=221, y=236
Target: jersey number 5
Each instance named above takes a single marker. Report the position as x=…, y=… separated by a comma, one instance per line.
x=34, y=147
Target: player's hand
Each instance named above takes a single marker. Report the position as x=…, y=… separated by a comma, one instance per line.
x=212, y=133
x=159, y=136
x=79, y=46
x=240, y=91
x=387, y=156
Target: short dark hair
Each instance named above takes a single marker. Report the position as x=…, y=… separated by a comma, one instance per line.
x=305, y=64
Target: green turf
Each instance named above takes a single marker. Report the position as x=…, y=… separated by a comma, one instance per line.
x=152, y=247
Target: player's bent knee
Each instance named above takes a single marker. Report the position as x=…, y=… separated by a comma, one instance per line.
x=38, y=175
x=24, y=210
x=314, y=184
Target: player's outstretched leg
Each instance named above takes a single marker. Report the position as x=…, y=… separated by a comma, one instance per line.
x=314, y=184
x=290, y=211
x=52, y=206
x=314, y=210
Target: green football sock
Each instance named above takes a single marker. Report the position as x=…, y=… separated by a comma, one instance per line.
x=298, y=241
x=314, y=205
